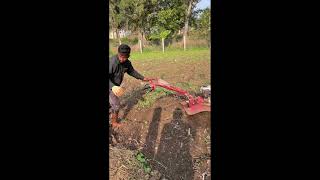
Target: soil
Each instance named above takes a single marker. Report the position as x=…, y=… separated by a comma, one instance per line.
x=176, y=145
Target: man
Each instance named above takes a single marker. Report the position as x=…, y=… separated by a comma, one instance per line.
x=118, y=65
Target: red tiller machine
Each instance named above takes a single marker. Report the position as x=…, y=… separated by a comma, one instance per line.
x=193, y=105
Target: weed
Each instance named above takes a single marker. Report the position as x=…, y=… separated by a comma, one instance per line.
x=151, y=97
x=141, y=158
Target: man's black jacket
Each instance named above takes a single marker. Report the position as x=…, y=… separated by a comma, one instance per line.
x=117, y=70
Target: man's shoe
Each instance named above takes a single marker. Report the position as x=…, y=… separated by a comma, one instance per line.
x=114, y=120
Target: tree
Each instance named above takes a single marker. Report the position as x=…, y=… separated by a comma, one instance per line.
x=204, y=24
x=166, y=23
x=151, y=18
x=137, y=12
x=164, y=33
x=116, y=18
x=194, y=18
x=190, y=4
x=166, y=20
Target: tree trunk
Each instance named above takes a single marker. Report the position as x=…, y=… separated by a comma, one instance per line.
x=162, y=45
x=143, y=39
x=186, y=25
x=140, y=44
x=127, y=25
x=113, y=34
x=184, y=42
x=140, y=40
x=118, y=36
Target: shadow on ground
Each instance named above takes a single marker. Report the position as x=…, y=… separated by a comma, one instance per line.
x=172, y=158
x=131, y=99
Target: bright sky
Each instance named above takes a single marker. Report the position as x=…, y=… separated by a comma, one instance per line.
x=203, y=4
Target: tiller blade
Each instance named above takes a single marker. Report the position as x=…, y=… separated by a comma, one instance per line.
x=196, y=106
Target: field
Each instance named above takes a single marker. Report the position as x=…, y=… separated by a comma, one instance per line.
x=157, y=139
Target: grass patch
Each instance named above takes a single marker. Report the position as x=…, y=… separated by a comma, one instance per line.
x=188, y=86
x=151, y=97
x=142, y=159
x=195, y=54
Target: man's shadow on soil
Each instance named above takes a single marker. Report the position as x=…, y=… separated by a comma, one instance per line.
x=131, y=100
x=150, y=143
x=173, y=158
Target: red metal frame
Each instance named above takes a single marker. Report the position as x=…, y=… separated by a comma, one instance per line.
x=191, y=100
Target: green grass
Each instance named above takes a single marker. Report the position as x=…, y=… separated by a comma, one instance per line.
x=142, y=159
x=187, y=86
x=152, y=96
x=193, y=54
x=172, y=54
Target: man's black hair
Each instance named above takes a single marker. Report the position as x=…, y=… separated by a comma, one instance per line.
x=124, y=49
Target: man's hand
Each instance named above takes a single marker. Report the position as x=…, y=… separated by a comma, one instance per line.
x=118, y=91
x=148, y=79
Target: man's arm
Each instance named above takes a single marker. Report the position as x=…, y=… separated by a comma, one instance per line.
x=132, y=72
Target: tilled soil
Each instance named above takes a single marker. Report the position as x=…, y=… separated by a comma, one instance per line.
x=176, y=145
